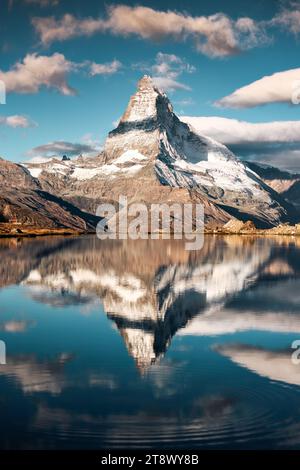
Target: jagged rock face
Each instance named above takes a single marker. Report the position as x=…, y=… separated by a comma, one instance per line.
x=16, y=176
x=22, y=201
x=284, y=182
x=150, y=153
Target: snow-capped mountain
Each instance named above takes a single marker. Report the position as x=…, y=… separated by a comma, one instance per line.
x=152, y=156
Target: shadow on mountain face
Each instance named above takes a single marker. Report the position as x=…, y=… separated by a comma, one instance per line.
x=90, y=219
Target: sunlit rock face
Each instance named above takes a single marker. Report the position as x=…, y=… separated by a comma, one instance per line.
x=153, y=157
x=23, y=202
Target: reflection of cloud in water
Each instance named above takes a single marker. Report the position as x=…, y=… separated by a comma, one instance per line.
x=224, y=321
x=16, y=326
x=275, y=365
x=166, y=378
x=35, y=375
x=215, y=406
x=107, y=381
x=49, y=375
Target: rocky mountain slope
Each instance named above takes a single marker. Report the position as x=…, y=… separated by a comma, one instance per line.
x=24, y=202
x=284, y=182
x=154, y=157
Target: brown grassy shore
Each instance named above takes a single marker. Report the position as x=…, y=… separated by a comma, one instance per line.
x=16, y=230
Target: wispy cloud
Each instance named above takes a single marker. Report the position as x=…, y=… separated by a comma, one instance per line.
x=288, y=18
x=276, y=88
x=41, y=3
x=185, y=102
x=94, y=143
x=16, y=121
x=105, y=69
x=217, y=35
x=67, y=27
x=60, y=147
x=166, y=70
x=169, y=84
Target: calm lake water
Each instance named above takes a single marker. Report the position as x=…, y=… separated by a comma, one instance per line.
x=143, y=344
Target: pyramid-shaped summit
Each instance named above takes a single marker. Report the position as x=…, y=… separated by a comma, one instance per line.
x=150, y=125
x=153, y=157
x=146, y=102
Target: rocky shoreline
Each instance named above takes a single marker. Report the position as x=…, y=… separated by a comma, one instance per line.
x=233, y=227
x=237, y=227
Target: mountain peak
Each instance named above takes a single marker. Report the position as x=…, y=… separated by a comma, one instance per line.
x=146, y=83
x=144, y=104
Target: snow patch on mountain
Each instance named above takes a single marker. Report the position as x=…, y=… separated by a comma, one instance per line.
x=130, y=156
x=35, y=172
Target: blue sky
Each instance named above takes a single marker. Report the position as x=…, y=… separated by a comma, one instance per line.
x=83, y=109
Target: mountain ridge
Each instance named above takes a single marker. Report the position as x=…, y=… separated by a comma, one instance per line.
x=25, y=203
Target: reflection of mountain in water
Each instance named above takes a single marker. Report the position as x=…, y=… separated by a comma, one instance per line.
x=150, y=289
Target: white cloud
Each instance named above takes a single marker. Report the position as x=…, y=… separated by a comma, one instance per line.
x=105, y=69
x=169, y=84
x=36, y=71
x=280, y=87
x=216, y=35
x=276, y=143
x=16, y=121
x=233, y=131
